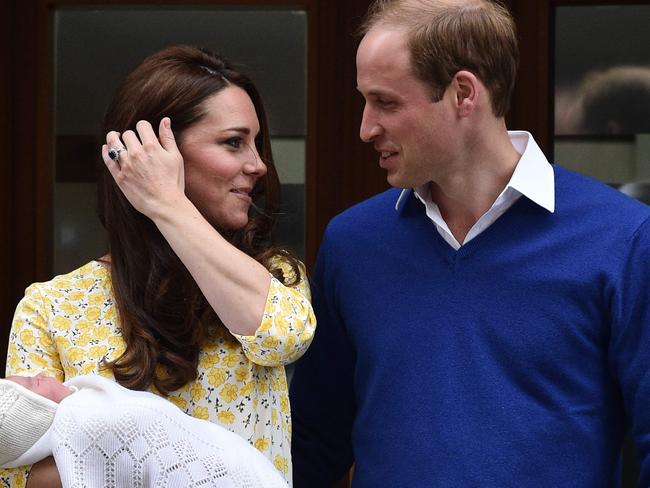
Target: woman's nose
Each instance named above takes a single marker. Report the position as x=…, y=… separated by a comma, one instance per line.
x=255, y=165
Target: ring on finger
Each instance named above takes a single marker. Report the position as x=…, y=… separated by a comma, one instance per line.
x=114, y=152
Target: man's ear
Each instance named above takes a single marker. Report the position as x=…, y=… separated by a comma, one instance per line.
x=467, y=89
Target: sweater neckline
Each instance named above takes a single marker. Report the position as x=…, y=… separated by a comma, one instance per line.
x=482, y=240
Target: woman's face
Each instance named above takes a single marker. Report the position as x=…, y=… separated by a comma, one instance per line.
x=221, y=162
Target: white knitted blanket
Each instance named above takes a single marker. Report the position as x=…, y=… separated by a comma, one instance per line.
x=107, y=436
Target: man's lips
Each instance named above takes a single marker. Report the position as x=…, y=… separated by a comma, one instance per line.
x=386, y=159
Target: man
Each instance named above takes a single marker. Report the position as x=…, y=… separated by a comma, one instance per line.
x=487, y=326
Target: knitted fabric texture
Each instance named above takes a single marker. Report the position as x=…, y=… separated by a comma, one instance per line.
x=24, y=417
x=107, y=436
x=520, y=360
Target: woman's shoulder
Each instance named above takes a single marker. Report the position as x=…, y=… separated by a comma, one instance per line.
x=91, y=276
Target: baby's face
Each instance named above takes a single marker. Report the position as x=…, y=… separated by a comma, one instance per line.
x=43, y=385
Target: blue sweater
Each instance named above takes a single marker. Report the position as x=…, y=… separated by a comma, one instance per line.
x=519, y=360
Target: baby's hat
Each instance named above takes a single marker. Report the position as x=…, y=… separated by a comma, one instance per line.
x=24, y=417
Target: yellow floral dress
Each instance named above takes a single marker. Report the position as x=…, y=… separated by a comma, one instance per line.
x=67, y=326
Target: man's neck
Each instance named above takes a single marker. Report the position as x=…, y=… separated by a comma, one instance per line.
x=471, y=188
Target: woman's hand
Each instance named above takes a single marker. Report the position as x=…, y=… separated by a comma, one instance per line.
x=44, y=475
x=150, y=174
x=149, y=169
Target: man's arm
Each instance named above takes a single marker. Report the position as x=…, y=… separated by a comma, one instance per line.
x=322, y=392
x=629, y=348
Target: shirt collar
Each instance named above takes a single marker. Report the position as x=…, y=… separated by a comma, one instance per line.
x=533, y=176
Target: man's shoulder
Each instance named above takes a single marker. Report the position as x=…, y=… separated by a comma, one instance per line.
x=372, y=211
x=586, y=194
x=360, y=233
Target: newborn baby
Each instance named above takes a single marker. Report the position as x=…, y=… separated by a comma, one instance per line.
x=27, y=408
x=46, y=386
x=102, y=434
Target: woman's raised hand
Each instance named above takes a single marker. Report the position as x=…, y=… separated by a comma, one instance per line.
x=148, y=169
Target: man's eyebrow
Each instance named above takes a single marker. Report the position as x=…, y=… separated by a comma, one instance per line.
x=375, y=93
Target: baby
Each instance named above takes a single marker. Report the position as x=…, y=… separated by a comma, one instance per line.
x=50, y=388
x=27, y=408
x=102, y=434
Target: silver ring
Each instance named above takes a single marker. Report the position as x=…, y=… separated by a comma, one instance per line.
x=114, y=152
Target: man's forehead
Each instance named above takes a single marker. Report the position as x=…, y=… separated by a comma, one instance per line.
x=384, y=63
x=382, y=43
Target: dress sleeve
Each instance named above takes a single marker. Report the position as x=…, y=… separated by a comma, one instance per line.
x=288, y=323
x=31, y=351
x=14, y=477
x=32, y=348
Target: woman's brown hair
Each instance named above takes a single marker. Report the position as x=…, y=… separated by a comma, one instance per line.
x=165, y=319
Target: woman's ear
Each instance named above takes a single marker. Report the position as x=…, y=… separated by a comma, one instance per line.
x=467, y=88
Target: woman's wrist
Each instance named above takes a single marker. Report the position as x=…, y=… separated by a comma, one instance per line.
x=163, y=211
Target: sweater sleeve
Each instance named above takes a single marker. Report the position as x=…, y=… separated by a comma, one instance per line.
x=322, y=399
x=31, y=350
x=288, y=322
x=629, y=348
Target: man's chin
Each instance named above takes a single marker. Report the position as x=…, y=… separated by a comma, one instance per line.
x=394, y=180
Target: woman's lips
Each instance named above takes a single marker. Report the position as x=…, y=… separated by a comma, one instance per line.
x=242, y=193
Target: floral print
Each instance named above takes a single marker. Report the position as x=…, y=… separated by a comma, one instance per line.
x=69, y=326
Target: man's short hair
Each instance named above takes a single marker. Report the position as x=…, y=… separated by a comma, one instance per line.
x=446, y=36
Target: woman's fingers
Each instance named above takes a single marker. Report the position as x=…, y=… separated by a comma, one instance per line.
x=145, y=142
x=145, y=138
x=131, y=141
x=112, y=165
x=113, y=140
x=147, y=135
x=166, y=135
x=114, y=151
x=149, y=170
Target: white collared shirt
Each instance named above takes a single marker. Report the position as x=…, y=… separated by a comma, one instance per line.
x=533, y=178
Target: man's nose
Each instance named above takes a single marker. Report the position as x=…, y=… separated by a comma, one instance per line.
x=370, y=127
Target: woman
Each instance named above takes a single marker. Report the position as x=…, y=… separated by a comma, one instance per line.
x=192, y=301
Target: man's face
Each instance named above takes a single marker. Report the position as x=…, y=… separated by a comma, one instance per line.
x=413, y=134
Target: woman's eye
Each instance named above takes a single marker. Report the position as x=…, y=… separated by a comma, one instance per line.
x=234, y=142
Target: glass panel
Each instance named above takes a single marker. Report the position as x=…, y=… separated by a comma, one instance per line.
x=602, y=108
x=602, y=93
x=96, y=48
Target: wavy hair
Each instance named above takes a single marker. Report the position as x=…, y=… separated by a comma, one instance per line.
x=165, y=319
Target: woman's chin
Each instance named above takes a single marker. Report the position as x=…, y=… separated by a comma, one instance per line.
x=233, y=223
